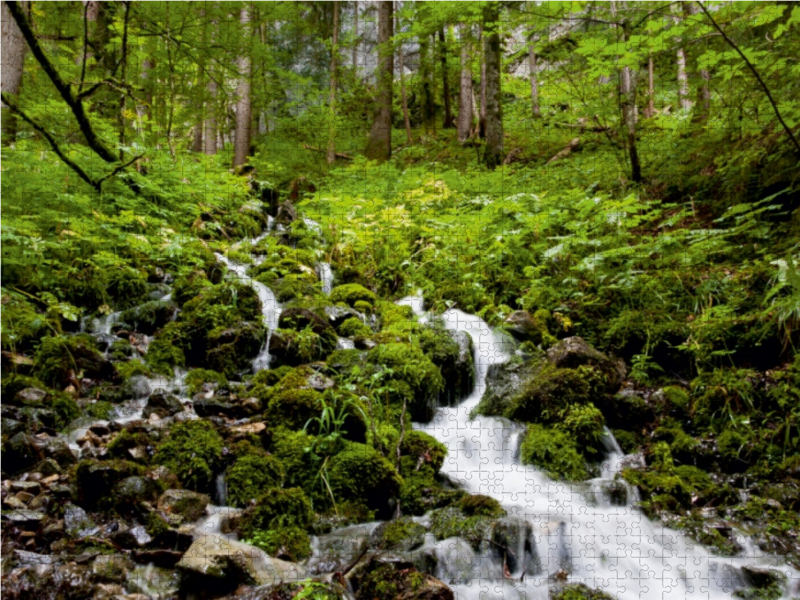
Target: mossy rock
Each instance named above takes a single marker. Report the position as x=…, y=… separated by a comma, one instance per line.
x=399, y=535
x=292, y=408
x=58, y=356
x=187, y=505
x=410, y=366
x=165, y=351
x=452, y=353
x=574, y=352
x=421, y=492
x=197, y=379
x=231, y=350
x=451, y=522
x=95, y=481
x=290, y=543
x=132, y=436
x=360, y=473
x=530, y=328
x=354, y=327
x=577, y=591
x=585, y=425
x=126, y=286
x=390, y=577
x=352, y=293
x=554, y=452
x=277, y=508
x=190, y=285
x=251, y=475
x=193, y=451
x=151, y=316
x=478, y=505
x=423, y=449
x=302, y=336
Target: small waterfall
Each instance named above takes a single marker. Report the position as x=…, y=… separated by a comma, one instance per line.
x=221, y=490
x=270, y=308
x=591, y=531
x=326, y=277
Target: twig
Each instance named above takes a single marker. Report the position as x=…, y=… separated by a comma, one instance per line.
x=755, y=73
x=120, y=168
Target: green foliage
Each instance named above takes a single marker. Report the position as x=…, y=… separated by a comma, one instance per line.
x=360, y=473
x=193, y=451
x=584, y=424
x=250, y=476
x=285, y=542
x=554, y=452
x=352, y=293
x=278, y=508
x=195, y=379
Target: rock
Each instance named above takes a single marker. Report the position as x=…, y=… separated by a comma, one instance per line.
x=76, y=522
x=58, y=449
x=21, y=452
x=300, y=318
x=398, y=535
x=166, y=559
x=151, y=316
x=31, y=397
x=218, y=406
x=95, y=480
x=515, y=546
x=32, y=487
x=317, y=381
x=390, y=576
x=573, y=352
x=529, y=328
x=162, y=405
x=14, y=503
x=153, y=582
x=135, y=537
x=219, y=558
x=24, y=518
x=574, y=591
x=189, y=505
x=762, y=578
x=111, y=567
x=340, y=313
x=133, y=491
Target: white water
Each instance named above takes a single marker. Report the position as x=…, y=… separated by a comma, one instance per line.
x=613, y=548
x=270, y=307
x=326, y=277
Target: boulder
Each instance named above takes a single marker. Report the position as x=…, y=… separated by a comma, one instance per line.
x=188, y=505
x=162, y=405
x=390, y=576
x=574, y=352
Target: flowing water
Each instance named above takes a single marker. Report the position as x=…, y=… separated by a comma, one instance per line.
x=326, y=277
x=577, y=529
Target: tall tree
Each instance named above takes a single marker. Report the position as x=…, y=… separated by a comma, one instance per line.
x=14, y=48
x=465, y=99
x=628, y=100
x=448, y=112
x=355, y=38
x=244, y=104
x=534, y=74
x=404, y=99
x=379, y=145
x=331, y=155
x=493, y=153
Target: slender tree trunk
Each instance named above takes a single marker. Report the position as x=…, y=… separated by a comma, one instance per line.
x=482, y=115
x=684, y=102
x=355, y=38
x=210, y=125
x=14, y=49
x=703, y=93
x=379, y=146
x=651, y=91
x=244, y=107
x=465, y=98
x=535, y=111
x=331, y=155
x=448, y=112
x=406, y=117
x=629, y=113
x=475, y=112
x=493, y=154
x=425, y=75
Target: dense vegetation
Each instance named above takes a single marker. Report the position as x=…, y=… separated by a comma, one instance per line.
x=624, y=173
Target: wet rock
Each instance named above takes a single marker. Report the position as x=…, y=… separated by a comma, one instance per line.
x=390, y=576
x=32, y=487
x=514, y=546
x=135, y=537
x=76, y=522
x=762, y=578
x=399, y=535
x=575, y=591
x=133, y=491
x=573, y=352
x=27, y=519
x=95, y=480
x=151, y=316
x=21, y=452
x=31, y=397
x=58, y=449
x=317, y=381
x=162, y=405
x=340, y=313
x=218, y=406
x=14, y=503
x=529, y=328
x=188, y=505
x=233, y=349
x=11, y=426
x=153, y=582
x=112, y=568
x=235, y=563
x=322, y=588
x=163, y=558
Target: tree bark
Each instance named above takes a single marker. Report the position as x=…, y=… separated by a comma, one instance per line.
x=426, y=75
x=482, y=114
x=493, y=154
x=14, y=48
x=465, y=98
x=355, y=38
x=535, y=111
x=379, y=145
x=449, y=123
x=629, y=113
x=244, y=106
x=651, y=91
x=331, y=154
x=406, y=117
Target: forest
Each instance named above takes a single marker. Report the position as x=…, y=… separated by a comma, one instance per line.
x=415, y=300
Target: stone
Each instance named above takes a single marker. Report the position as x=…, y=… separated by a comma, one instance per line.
x=135, y=537
x=163, y=405
x=219, y=558
x=153, y=582
x=76, y=522
x=573, y=352
x=33, y=487
x=31, y=397
x=23, y=518
x=111, y=567
x=134, y=490
x=189, y=505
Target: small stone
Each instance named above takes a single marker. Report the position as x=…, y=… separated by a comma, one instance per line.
x=31, y=397
x=76, y=521
x=41, y=502
x=134, y=537
x=13, y=503
x=23, y=517
x=48, y=468
x=24, y=497
x=33, y=487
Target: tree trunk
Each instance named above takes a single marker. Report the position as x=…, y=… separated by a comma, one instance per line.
x=448, y=112
x=651, y=91
x=244, y=108
x=535, y=111
x=355, y=38
x=425, y=76
x=493, y=154
x=210, y=125
x=379, y=145
x=703, y=93
x=331, y=155
x=406, y=117
x=14, y=48
x=465, y=98
x=482, y=115
x=629, y=113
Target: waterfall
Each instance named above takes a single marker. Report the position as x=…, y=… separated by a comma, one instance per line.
x=326, y=277
x=606, y=545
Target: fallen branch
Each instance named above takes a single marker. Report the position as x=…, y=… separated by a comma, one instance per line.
x=582, y=127
x=566, y=151
x=512, y=156
x=336, y=154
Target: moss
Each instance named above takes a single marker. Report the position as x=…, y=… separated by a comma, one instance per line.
x=292, y=408
x=165, y=351
x=126, y=286
x=100, y=410
x=193, y=451
x=196, y=378
x=451, y=522
x=578, y=591
x=277, y=508
x=477, y=505
x=155, y=525
x=454, y=361
x=133, y=368
x=730, y=445
x=58, y=356
x=354, y=327
x=408, y=365
x=120, y=350
x=628, y=441
x=128, y=439
x=423, y=449
x=271, y=376
x=95, y=481
x=22, y=324
x=682, y=446
x=294, y=287
x=391, y=314
x=351, y=293
x=554, y=452
x=420, y=492
x=189, y=285
x=286, y=543
x=294, y=347
x=399, y=535
x=360, y=473
x=585, y=425
x=251, y=475
x=150, y=316
x=552, y=390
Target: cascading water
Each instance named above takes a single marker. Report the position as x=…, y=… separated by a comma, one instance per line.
x=606, y=545
x=326, y=277
x=270, y=307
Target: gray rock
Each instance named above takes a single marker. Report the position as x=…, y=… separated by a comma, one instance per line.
x=188, y=505
x=31, y=397
x=573, y=352
x=76, y=522
x=135, y=537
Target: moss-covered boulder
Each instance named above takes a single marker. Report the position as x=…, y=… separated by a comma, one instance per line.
x=193, y=451
x=60, y=359
x=361, y=474
x=187, y=505
x=277, y=508
x=399, y=535
x=451, y=352
x=232, y=349
x=292, y=408
x=390, y=577
x=251, y=475
x=554, y=451
x=575, y=352
x=577, y=591
x=423, y=449
x=351, y=294
x=149, y=317
x=530, y=328
x=96, y=480
x=302, y=337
